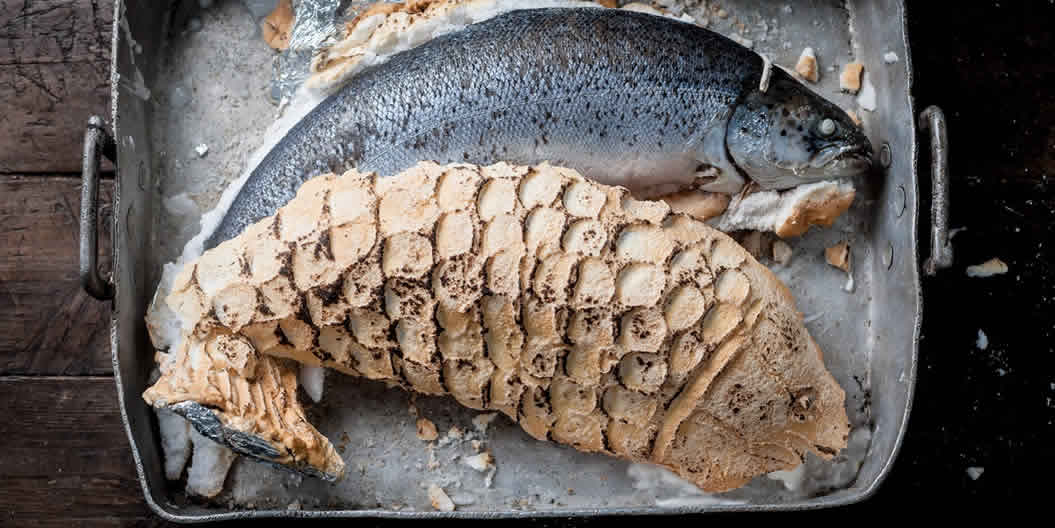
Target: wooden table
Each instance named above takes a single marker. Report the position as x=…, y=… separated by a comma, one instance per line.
x=62, y=443
x=63, y=452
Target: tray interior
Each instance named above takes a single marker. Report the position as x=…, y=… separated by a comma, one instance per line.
x=211, y=84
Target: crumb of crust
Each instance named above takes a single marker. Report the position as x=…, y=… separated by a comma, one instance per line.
x=781, y=252
x=806, y=67
x=819, y=211
x=427, y=430
x=455, y=432
x=993, y=266
x=345, y=440
x=476, y=445
x=701, y=205
x=850, y=79
x=439, y=499
x=275, y=28
x=854, y=117
x=838, y=256
x=481, y=421
x=480, y=461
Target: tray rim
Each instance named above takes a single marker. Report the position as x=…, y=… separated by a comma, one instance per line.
x=848, y=497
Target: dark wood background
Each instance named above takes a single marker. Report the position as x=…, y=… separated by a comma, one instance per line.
x=64, y=458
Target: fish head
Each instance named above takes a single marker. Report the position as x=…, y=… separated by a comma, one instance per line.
x=789, y=135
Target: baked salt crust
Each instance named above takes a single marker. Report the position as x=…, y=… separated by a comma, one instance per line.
x=588, y=317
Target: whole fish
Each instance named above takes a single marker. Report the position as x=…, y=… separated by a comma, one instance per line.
x=626, y=98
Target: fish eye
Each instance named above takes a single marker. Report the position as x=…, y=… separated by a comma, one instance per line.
x=827, y=127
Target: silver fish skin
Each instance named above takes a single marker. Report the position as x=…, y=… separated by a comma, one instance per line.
x=625, y=98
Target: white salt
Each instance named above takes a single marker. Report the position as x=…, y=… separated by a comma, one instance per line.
x=180, y=205
x=312, y=379
x=867, y=98
x=209, y=465
x=480, y=462
x=175, y=442
x=792, y=478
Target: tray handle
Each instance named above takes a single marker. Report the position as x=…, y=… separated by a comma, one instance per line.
x=97, y=143
x=933, y=120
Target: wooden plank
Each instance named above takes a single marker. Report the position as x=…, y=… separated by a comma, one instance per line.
x=54, y=74
x=102, y=523
x=48, y=325
x=55, y=31
x=66, y=455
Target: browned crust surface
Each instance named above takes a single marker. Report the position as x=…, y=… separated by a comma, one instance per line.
x=592, y=319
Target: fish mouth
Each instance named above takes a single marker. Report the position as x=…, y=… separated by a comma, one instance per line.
x=842, y=160
x=207, y=422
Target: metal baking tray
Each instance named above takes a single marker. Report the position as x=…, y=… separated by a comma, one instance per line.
x=870, y=333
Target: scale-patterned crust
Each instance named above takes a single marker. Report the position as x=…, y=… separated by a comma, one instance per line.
x=590, y=318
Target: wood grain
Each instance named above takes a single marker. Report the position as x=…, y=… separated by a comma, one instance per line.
x=54, y=74
x=48, y=325
x=65, y=454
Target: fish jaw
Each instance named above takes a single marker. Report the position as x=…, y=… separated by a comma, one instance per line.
x=208, y=424
x=790, y=135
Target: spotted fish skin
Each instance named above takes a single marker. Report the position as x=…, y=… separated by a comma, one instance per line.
x=625, y=98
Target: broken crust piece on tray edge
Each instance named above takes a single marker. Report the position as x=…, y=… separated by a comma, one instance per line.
x=643, y=334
